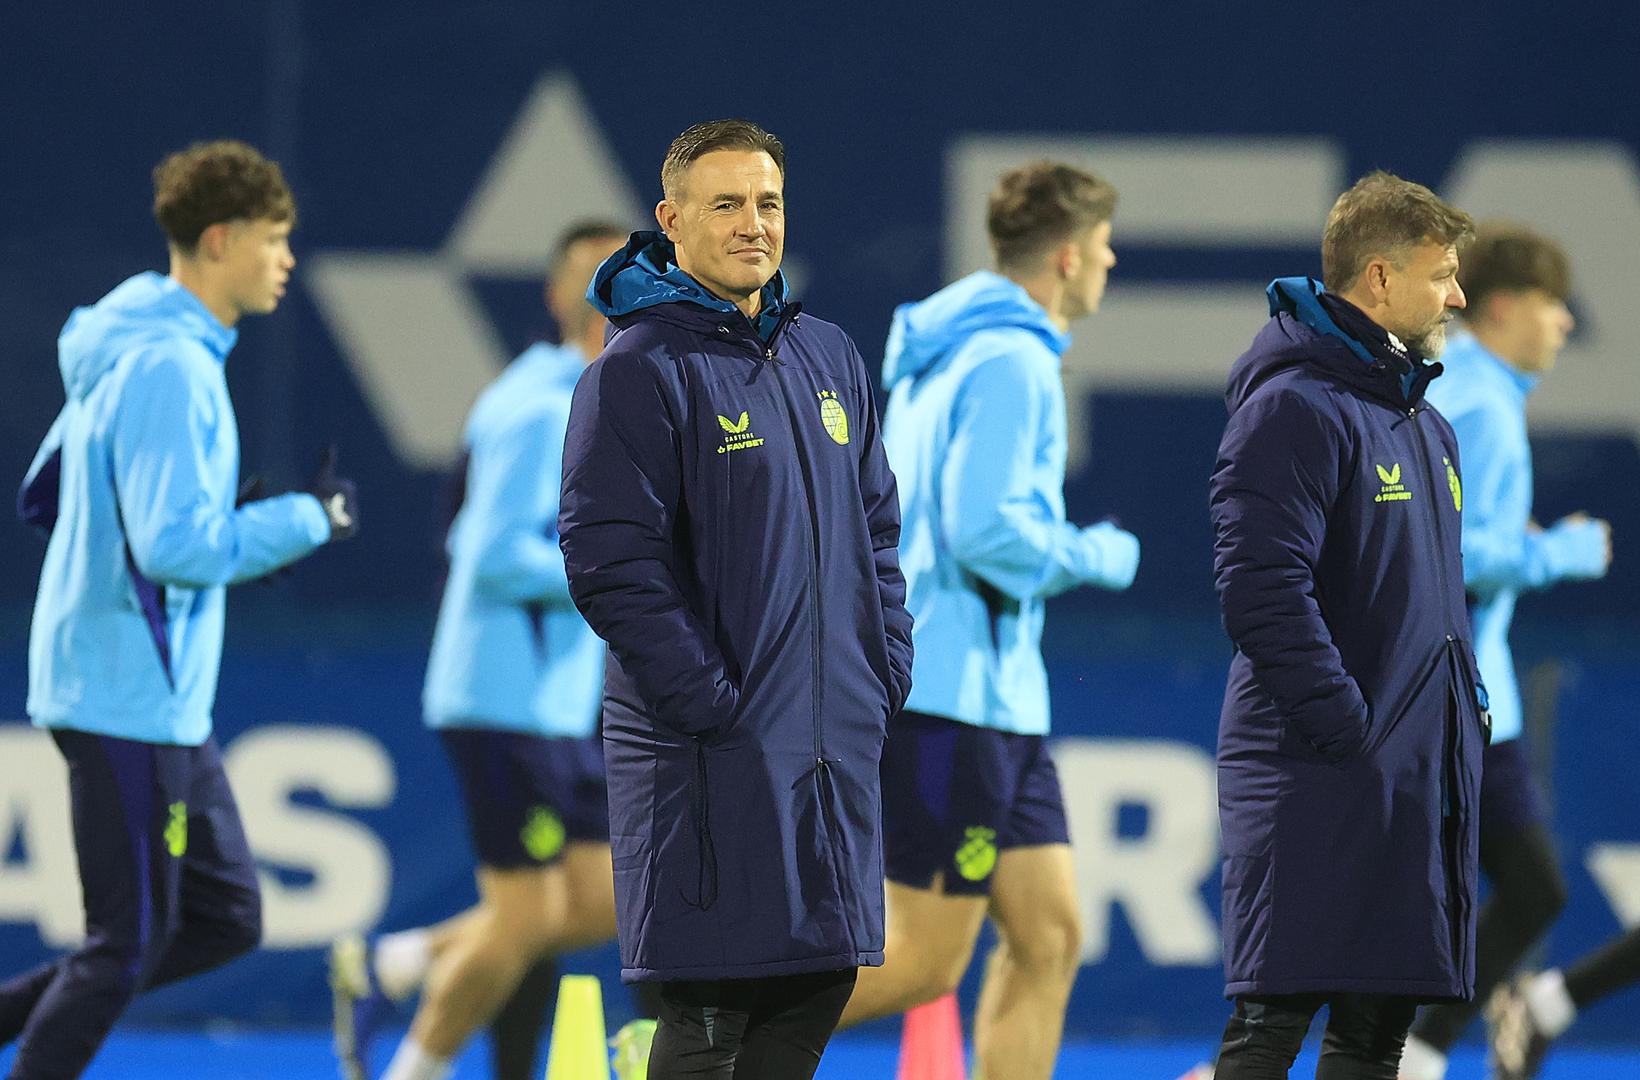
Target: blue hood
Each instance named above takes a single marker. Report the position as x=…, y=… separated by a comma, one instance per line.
x=930, y=329
x=645, y=274
x=1300, y=297
x=146, y=308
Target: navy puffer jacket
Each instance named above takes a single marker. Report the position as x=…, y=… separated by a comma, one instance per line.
x=1353, y=722
x=729, y=525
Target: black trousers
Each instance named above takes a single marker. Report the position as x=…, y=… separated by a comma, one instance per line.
x=1365, y=1034
x=1528, y=891
x=748, y=1029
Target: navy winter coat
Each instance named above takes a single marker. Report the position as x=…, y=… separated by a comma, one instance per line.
x=729, y=526
x=1350, y=741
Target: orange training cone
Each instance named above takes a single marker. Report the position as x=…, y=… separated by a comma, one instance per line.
x=931, y=1042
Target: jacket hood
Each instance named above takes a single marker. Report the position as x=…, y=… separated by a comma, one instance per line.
x=141, y=310
x=645, y=274
x=1302, y=331
x=928, y=330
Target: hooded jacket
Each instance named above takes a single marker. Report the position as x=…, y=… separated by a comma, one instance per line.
x=1484, y=399
x=729, y=524
x=510, y=651
x=975, y=428
x=136, y=482
x=1351, y=735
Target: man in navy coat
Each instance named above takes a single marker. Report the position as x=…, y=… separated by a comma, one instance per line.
x=1350, y=741
x=730, y=527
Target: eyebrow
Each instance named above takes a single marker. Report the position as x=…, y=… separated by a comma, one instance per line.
x=730, y=196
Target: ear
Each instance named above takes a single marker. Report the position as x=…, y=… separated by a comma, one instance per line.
x=1376, y=279
x=666, y=215
x=1067, y=259
x=213, y=241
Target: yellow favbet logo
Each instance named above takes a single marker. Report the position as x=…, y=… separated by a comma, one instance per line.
x=1393, y=490
x=176, y=829
x=543, y=834
x=978, y=856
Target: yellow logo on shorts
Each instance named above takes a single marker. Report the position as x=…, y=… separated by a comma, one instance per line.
x=176, y=829
x=543, y=834
x=977, y=857
x=832, y=417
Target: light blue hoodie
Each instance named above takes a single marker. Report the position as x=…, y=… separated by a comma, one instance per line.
x=975, y=432
x=1484, y=399
x=510, y=650
x=127, y=632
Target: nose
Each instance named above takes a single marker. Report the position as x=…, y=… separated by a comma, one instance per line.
x=750, y=222
x=1456, y=298
x=1568, y=321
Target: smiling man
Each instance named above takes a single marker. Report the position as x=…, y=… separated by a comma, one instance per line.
x=137, y=485
x=1350, y=741
x=729, y=526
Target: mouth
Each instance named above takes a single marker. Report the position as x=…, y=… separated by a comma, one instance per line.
x=749, y=254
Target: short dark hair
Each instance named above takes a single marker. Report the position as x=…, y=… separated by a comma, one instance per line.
x=1383, y=215
x=212, y=182
x=1506, y=257
x=1037, y=206
x=585, y=229
x=700, y=139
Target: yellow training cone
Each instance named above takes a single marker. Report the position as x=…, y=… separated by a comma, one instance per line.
x=578, y=1051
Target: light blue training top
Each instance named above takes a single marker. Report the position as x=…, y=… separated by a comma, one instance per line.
x=975, y=433
x=127, y=631
x=1484, y=399
x=510, y=651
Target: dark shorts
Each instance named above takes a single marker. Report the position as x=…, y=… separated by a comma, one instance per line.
x=528, y=796
x=1511, y=798
x=956, y=795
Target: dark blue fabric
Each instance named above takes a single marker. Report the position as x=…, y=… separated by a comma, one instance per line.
x=955, y=796
x=1350, y=739
x=506, y=776
x=737, y=551
x=152, y=917
x=1511, y=797
x=38, y=495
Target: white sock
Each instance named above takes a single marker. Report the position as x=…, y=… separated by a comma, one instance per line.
x=1549, y=1003
x=411, y=1062
x=401, y=960
x=1421, y=1061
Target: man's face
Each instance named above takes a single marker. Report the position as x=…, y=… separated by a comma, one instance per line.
x=1533, y=325
x=727, y=219
x=1421, y=296
x=256, y=263
x=1085, y=286
x=567, y=291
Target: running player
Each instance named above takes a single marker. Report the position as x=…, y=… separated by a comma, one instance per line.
x=513, y=690
x=136, y=484
x=975, y=428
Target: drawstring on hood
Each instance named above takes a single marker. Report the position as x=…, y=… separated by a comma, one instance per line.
x=926, y=332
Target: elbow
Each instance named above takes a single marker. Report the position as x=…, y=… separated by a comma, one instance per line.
x=173, y=566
